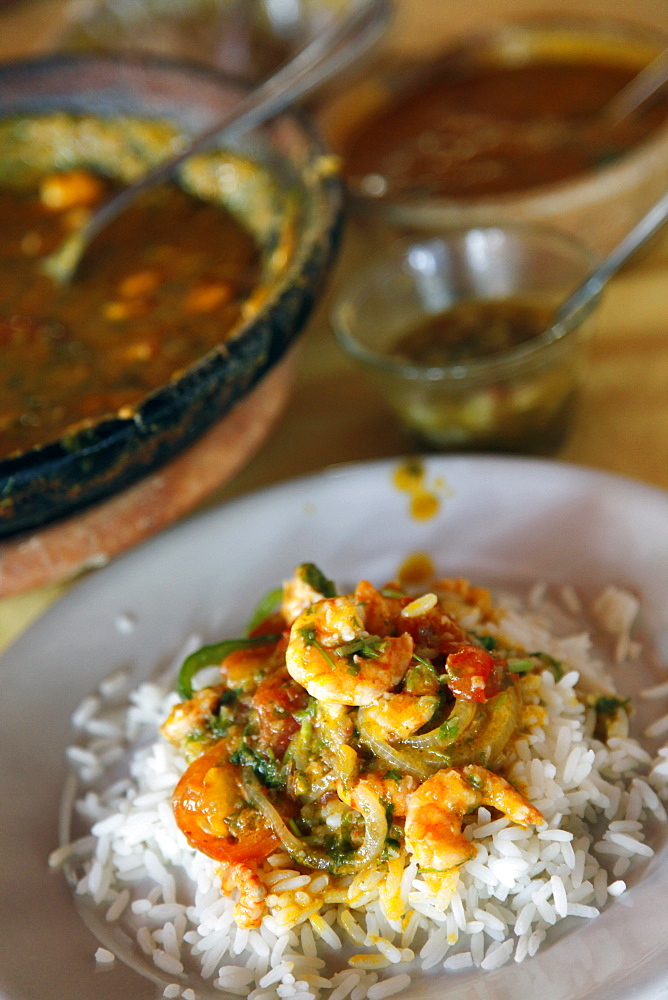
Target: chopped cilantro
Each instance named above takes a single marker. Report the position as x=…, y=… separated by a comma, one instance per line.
x=521, y=665
x=487, y=642
x=425, y=663
x=309, y=711
x=367, y=647
x=449, y=729
x=549, y=661
x=393, y=774
x=229, y=696
x=265, y=767
x=609, y=704
x=219, y=725
x=307, y=632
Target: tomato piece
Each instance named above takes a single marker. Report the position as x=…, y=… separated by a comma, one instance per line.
x=473, y=673
x=208, y=793
x=244, y=667
x=435, y=633
x=276, y=699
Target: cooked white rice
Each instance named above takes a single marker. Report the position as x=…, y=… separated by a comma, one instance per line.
x=135, y=869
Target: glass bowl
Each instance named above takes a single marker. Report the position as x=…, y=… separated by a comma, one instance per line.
x=519, y=398
x=599, y=204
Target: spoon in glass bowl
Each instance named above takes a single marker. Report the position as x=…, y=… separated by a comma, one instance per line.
x=331, y=51
x=645, y=85
x=572, y=311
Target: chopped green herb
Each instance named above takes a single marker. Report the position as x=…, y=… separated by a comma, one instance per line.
x=219, y=725
x=265, y=767
x=393, y=774
x=392, y=592
x=487, y=642
x=425, y=663
x=307, y=632
x=549, y=661
x=521, y=665
x=609, y=704
x=309, y=711
x=391, y=849
x=368, y=648
x=448, y=729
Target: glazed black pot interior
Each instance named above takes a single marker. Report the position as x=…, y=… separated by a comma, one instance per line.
x=291, y=204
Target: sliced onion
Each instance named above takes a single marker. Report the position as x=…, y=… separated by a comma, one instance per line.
x=464, y=712
x=502, y=720
x=335, y=728
x=296, y=848
x=375, y=831
x=420, y=763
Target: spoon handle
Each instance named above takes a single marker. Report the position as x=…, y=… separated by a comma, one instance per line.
x=332, y=50
x=647, y=83
x=570, y=313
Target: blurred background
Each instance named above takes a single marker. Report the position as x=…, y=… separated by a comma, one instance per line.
x=622, y=422
x=190, y=27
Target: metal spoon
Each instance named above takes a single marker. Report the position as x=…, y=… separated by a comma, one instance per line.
x=335, y=48
x=638, y=91
x=574, y=309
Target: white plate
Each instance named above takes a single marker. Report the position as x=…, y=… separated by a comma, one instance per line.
x=498, y=520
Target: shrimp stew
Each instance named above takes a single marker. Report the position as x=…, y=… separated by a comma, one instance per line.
x=352, y=729
x=163, y=284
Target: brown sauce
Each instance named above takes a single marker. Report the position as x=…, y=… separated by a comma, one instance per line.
x=471, y=330
x=495, y=130
x=161, y=286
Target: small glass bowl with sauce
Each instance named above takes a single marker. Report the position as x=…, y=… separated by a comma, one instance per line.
x=454, y=330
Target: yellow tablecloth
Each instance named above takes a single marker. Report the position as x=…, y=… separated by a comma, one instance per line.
x=334, y=415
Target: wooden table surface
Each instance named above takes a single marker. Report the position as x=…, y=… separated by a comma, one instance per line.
x=334, y=416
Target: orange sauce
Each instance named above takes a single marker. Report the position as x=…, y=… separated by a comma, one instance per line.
x=410, y=478
x=162, y=285
x=496, y=129
x=417, y=568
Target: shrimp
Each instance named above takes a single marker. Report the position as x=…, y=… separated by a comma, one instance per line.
x=306, y=586
x=331, y=654
x=192, y=715
x=67, y=189
x=397, y=716
x=435, y=812
x=250, y=907
x=397, y=791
